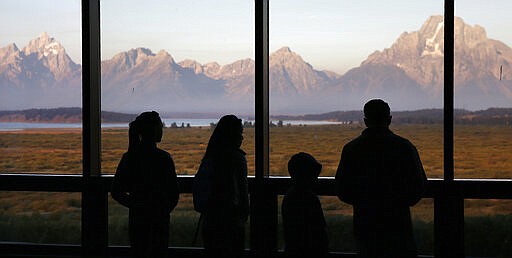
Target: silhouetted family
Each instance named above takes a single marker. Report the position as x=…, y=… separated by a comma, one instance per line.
x=380, y=174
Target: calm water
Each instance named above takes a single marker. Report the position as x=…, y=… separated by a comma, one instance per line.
x=8, y=126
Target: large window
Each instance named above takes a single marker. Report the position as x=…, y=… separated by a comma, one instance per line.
x=40, y=116
x=329, y=57
x=483, y=109
x=193, y=61
x=40, y=87
x=186, y=60
x=483, y=90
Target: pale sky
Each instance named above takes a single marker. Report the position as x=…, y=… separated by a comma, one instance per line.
x=329, y=34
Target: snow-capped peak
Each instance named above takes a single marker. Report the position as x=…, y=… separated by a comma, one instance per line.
x=52, y=48
x=44, y=45
x=432, y=48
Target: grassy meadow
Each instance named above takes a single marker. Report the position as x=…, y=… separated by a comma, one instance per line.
x=480, y=152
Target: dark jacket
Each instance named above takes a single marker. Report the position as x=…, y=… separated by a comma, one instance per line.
x=381, y=175
x=146, y=182
x=229, y=198
x=304, y=224
x=228, y=206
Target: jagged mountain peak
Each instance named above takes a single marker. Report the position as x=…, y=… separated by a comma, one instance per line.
x=286, y=57
x=432, y=23
x=212, y=64
x=188, y=63
x=238, y=68
x=478, y=61
x=10, y=47
x=284, y=49
x=163, y=53
x=432, y=31
x=428, y=43
x=7, y=51
x=52, y=58
x=135, y=56
x=467, y=35
x=192, y=64
x=44, y=45
x=283, y=52
x=44, y=35
x=140, y=52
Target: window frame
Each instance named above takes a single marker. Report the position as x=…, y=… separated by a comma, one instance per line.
x=448, y=193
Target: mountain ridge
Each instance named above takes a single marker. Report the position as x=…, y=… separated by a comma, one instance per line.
x=409, y=73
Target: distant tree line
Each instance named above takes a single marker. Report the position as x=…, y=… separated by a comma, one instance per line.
x=491, y=116
x=65, y=114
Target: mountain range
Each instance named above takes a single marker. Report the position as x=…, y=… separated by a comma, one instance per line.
x=408, y=74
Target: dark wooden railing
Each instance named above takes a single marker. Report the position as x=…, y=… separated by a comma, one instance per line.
x=456, y=191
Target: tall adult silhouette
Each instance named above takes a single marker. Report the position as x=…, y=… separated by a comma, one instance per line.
x=145, y=182
x=228, y=203
x=380, y=174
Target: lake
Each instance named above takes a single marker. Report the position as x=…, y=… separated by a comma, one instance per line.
x=194, y=122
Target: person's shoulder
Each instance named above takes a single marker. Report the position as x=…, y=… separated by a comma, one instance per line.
x=238, y=154
x=163, y=154
x=403, y=141
x=125, y=157
x=354, y=142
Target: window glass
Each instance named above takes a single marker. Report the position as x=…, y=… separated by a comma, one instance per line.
x=40, y=87
x=330, y=57
x=483, y=89
x=339, y=220
x=423, y=225
x=338, y=217
x=40, y=217
x=488, y=228
x=183, y=224
x=186, y=60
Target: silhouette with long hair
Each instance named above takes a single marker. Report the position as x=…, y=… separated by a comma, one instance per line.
x=303, y=218
x=228, y=203
x=146, y=183
x=380, y=174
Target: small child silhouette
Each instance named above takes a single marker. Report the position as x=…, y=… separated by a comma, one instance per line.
x=303, y=218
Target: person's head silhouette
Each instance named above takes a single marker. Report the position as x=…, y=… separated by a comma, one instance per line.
x=147, y=127
x=227, y=136
x=304, y=169
x=377, y=113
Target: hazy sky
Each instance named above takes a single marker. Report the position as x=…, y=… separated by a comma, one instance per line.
x=329, y=34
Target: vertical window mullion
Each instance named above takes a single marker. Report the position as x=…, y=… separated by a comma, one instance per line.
x=91, y=87
x=261, y=90
x=263, y=198
x=448, y=89
x=94, y=197
x=449, y=202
